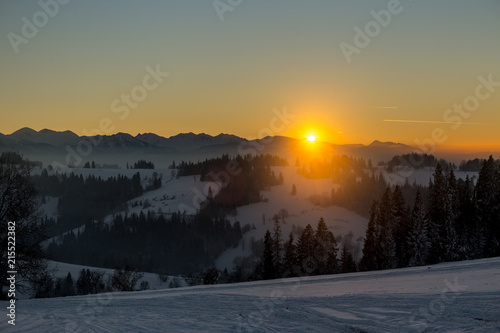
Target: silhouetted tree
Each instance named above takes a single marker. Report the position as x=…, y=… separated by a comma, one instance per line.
x=19, y=203
x=418, y=241
x=347, y=263
x=290, y=257
x=369, y=259
x=125, y=279
x=305, y=251
x=268, y=269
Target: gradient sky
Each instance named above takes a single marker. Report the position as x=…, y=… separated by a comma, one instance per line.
x=228, y=76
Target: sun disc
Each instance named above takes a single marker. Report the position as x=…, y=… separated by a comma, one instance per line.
x=311, y=138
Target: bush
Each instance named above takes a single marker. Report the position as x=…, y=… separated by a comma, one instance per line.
x=144, y=285
x=125, y=279
x=175, y=283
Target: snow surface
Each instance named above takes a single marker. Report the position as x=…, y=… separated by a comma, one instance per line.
x=448, y=297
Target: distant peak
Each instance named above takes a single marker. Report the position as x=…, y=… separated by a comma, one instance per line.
x=49, y=131
x=24, y=131
x=378, y=143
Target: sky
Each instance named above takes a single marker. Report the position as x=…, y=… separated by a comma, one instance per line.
x=344, y=71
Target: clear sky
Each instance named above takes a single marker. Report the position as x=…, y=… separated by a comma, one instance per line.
x=229, y=75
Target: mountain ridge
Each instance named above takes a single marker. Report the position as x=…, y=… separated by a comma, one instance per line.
x=66, y=147
x=51, y=137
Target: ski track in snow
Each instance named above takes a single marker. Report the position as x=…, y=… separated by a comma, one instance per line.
x=448, y=297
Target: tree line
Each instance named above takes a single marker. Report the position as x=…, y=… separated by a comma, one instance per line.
x=90, y=282
x=315, y=252
x=82, y=199
x=416, y=161
x=456, y=220
x=152, y=242
x=203, y=168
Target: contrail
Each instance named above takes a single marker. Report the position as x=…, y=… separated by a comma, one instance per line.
x=429, y=122
x=384, y=107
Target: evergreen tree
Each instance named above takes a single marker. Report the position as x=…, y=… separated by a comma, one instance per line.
x=290, y=258
x=277, y=246
x=467, y=225
x=386, y=256
x=305, y=251
x=418, y=241
x=268, y=270
x=294, y=190
x=83, y=283
x=449, y=235
x=488, y=206
x=347, y=263
x=69, y=286
x=437, y=214
x=326, y=249
x=401, y=227
x=369, y=260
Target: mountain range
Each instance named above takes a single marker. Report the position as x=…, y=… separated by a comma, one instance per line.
x=67, y=147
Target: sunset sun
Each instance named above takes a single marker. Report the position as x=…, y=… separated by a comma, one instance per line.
x=311, y=138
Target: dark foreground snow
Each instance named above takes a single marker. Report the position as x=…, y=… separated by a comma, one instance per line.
x=449, y=297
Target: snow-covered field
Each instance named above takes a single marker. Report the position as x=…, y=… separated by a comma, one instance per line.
x=448, y=297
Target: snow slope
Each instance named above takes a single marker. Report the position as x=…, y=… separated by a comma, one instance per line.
x=419, y=176
x=448, y=297
x=300, y=213
x=185, y=194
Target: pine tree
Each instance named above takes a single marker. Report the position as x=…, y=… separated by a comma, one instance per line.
x=448, y=233
x=401, y=227
x=488, y=208
x=290, y=258
x=386, y=257
x=369, y=260
x=294, y=190
x=418, y=241
x=268, y=270
x=467, y=225
x=69, y=286
x=83, y=283
x=305, y=251
x=347, y=262
x=277, y=246
x=437, y=214
x=326, y=249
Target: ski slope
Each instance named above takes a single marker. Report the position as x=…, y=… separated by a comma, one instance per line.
x=448, y=297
